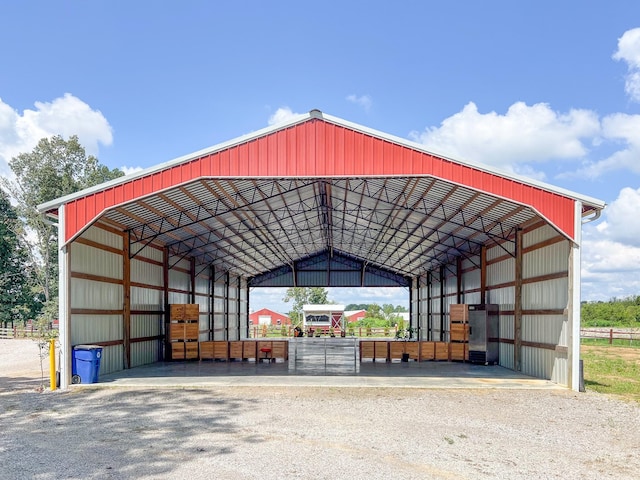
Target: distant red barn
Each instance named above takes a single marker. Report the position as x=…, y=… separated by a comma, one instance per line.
x=268, y=317
x=354, y=315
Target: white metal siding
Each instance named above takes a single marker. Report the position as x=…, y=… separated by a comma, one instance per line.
x=103, y=237
x=87, y=259
x=548, y=294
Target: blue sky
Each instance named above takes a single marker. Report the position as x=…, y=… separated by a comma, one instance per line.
x=546, y=89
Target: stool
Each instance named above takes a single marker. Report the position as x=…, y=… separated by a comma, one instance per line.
x=267, y=353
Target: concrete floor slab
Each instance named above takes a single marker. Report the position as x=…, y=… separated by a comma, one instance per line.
x=322, y=363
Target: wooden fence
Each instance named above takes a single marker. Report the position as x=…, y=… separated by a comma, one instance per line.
x=611, y=334
x=15, y=332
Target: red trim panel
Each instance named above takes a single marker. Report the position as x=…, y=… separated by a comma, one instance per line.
x=316, y=148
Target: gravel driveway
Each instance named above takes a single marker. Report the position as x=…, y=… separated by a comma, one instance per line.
x=312, y=433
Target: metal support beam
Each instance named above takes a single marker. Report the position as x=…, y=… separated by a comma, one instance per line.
x=64, y=302
x=573, y=306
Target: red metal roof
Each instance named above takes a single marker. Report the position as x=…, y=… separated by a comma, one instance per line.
x=325, y=174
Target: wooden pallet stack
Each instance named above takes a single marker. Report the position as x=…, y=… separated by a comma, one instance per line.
x=183, y=330
x=459, y=332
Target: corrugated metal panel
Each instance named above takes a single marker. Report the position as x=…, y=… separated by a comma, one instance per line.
x=505, y=297
x=112, y=359
x=151, y=253
x=501, y=272
x=143, y=353
x=506, y=326
x=331, y=149
x=146, y=299
x=547, y=329
x=103, y=237
x=219, y=330
x=506, y=355
x=146, y=325
x=202, y=285
x=544, y=261
x=146, y=273
x=537, y=362
x=96, y=295
x=89, y=329
x=86, y=259
x=179, y=298
x=550, y=294
x=560, y=373
x=503, y=249
x=539, y=235
x=179, y=281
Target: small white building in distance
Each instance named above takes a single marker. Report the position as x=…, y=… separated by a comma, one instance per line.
x=323, y=316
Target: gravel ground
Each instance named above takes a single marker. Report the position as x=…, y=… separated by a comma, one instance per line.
x=310, y=433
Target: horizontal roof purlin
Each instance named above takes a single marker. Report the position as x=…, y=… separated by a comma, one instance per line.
x=316, y=145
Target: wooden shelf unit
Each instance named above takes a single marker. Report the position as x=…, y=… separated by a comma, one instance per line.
x=183, y=330
x=459, y=332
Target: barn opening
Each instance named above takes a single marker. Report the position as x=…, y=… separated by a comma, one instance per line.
x=320, y=201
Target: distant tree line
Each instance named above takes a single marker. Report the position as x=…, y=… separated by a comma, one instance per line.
x=616, y=312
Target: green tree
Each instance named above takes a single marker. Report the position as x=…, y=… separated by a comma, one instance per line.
x=304, y=296
x=15, y=304
x=56, y=167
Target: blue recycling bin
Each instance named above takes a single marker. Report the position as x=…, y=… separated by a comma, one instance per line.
x=85, y=366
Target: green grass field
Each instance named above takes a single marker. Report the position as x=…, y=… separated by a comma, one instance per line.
x=612, y=369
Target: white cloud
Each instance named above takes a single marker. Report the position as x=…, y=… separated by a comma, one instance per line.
x=364, y=101
x=620, y=223
x=130, y=170
x=66, y=116
x=283, y=114
x=611, y=250
x=523, y=135
x=618, y=127
x=609, y=268
x=629, y=52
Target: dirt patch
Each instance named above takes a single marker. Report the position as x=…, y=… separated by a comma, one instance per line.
x=20, y=365
x=627, y=354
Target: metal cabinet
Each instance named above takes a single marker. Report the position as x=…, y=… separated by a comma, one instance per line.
x=484, y=334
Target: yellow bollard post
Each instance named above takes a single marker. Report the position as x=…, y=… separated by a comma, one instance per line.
x=52, y=363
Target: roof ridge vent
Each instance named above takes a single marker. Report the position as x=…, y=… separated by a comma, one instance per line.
x=315, y=113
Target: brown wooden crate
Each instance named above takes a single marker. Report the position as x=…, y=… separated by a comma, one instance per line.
x=177, y=351
x=176, y=311
x=459, y=312
x=413, y=349
x=427, y=351
x=192, y=311
x=441, y=350
x=381, y=349
x=366, y=349
x=192, y=349
x=235, y=349
x=221, y=349
x=280, y=349
x=206, y=350
x=249, y=349
x=458, y=351
x=176, y=331
x=191, y=330
x=459, y=332
x=396, y=349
